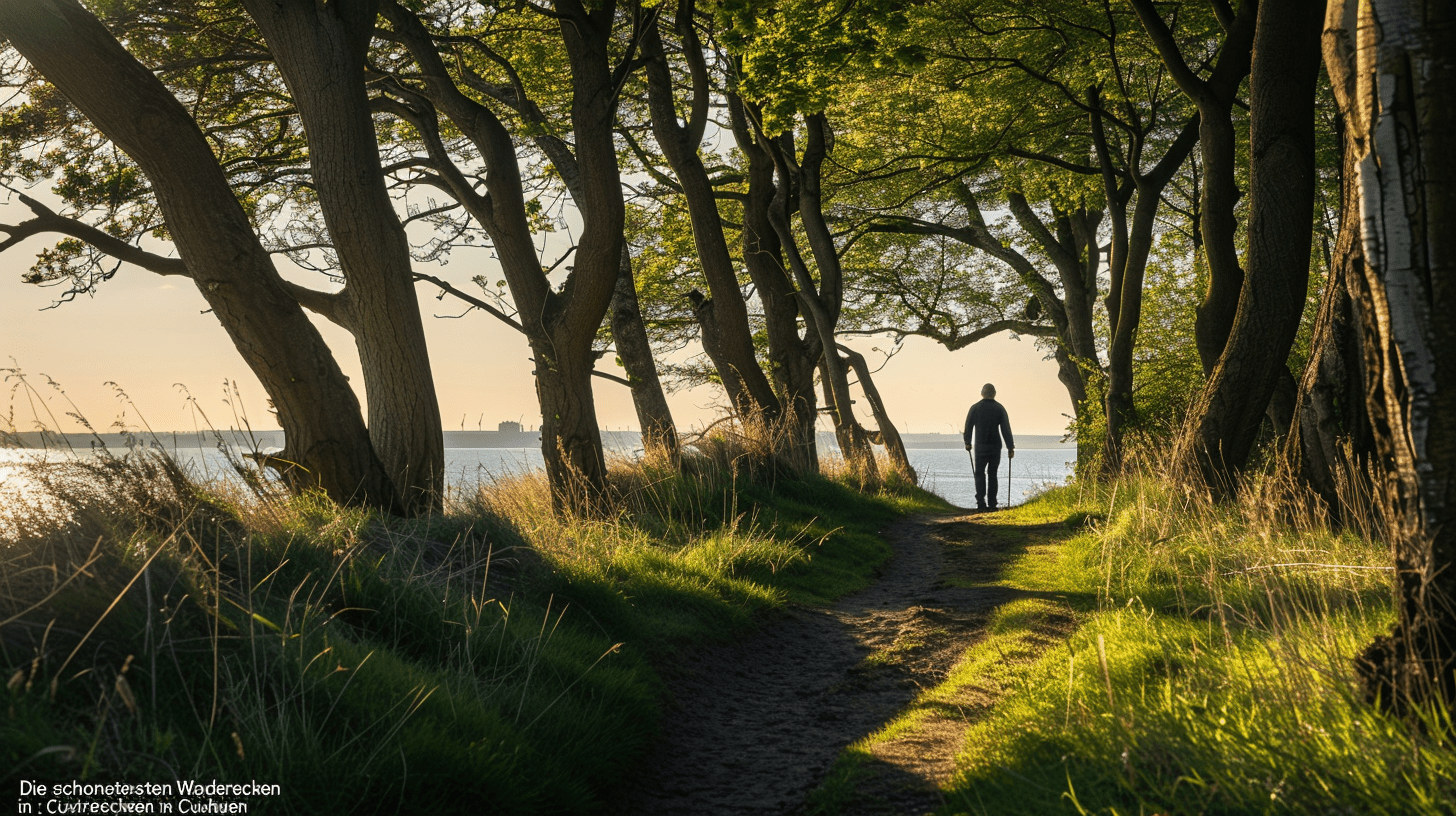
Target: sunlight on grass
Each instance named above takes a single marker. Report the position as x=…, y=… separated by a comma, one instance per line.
x=1213, y=672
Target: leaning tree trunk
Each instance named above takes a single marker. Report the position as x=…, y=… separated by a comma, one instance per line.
x=321, y=53
x=819, y=302
x=724, y=316
x=854, y=441
x=1398, y=107
x=1331, y=445
x=888, y=434
x=327, y=445
x=653, y=414
x=560, y=325
x=792, y=357
x=1224, y=423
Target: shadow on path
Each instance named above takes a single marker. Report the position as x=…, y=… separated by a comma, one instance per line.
x=753, y=726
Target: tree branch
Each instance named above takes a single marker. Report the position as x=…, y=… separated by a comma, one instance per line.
x=477, y=303
x=48, y=220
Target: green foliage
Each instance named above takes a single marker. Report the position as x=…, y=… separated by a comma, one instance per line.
x=1167, y=374
x=797, y=54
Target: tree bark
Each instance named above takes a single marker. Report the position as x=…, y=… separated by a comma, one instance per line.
x=1332, y=445
x=1214, y=98
x=1224, y=423
x=327, y=443
x=1403, y=127
x=792, y=356
x=320, y=50
x=854, y=440
x=888, y=435
x=734, y=354
x=559, y=324
x=625, y=315
x=630, y=335
x=1131, y=245
x=820, y=302
x=571, y=439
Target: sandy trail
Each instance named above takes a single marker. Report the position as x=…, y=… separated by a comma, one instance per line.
x=753, y=726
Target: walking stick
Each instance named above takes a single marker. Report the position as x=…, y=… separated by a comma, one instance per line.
x=1009, y=457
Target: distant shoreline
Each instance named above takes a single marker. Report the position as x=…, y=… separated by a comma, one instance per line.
x=273, y=439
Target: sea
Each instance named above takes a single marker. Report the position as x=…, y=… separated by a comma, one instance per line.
x=944, y=471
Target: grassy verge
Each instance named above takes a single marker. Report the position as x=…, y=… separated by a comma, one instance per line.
x=1170, y=656
x=495, y=658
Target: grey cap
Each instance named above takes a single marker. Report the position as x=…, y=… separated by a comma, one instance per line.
x=988, y=390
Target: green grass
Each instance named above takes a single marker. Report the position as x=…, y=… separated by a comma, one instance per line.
x=496, y=657
x=1227, y=637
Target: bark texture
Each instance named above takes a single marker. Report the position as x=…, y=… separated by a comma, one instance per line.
x=1393, y=66
x=327, y=443
x=1332, y=443
x=725, y=314
x=1225, y=421
x=320, y=50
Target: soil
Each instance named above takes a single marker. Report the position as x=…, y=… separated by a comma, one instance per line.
x=753, y=726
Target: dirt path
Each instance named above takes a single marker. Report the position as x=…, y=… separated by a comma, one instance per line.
x=754, y=726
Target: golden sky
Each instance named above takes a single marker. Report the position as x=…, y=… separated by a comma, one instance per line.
x=146, y=333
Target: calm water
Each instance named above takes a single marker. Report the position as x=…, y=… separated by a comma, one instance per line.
x=946, y=472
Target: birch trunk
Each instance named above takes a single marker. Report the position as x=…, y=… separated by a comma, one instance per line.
x=1393, y=66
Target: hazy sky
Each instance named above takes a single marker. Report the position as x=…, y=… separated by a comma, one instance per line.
x=146, y=333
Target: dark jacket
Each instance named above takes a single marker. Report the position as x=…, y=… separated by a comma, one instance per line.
x=984, y=418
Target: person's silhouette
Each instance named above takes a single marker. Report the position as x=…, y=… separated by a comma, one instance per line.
x=987, y=423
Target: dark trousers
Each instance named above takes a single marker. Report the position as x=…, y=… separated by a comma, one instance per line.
x=988, y=461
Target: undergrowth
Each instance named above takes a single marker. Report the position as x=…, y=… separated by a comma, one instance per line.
x=494, y=658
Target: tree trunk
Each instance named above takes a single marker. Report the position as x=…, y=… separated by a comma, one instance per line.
x=320, y=51
x=819, y=302
x=630, y=336
x=792, y=357
x=1332, y=443
x=854, y=440
x=734, y=354
x=1128, y=260
x=327, y=443
x=1219, y=228
x=571, y=441
x=1225, y=421
x=1074, y=252
x=1403, y=127
x=560, y=325
x=1214, y=98
x=888, y=434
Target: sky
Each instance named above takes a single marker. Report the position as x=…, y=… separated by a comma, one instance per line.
x=148, y=334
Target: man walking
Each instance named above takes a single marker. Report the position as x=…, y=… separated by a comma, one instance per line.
x=988, y=423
